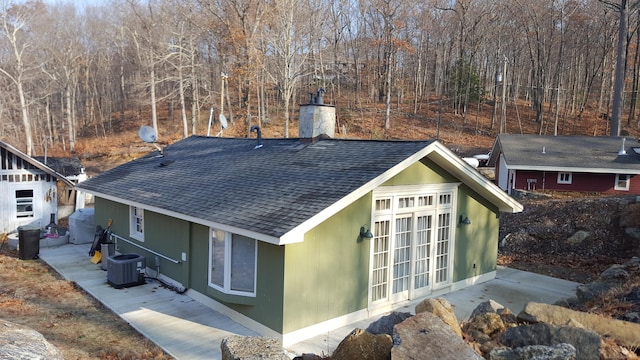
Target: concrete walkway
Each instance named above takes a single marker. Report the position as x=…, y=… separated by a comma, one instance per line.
x=187, y=329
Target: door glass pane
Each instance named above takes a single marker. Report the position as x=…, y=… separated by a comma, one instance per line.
x=442, y=248
x=401, y=255
x=380, y=260
x=243, y=263
x=422, y=252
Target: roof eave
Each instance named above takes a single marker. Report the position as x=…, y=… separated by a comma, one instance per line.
x=572, y=169
x=193, y=219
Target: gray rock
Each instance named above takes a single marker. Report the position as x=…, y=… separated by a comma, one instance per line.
x=535, y=352
x=487, y=307
x=615, y=273
x=586, y=342
x=21, y=342
x=591, y=291
x=578, y=237
x=385, y=324
x=633, y=232
x=360, y=344
x=426, y=336
x=633, y=317
x=237, y=347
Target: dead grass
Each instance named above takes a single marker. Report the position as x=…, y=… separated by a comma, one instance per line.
x=34, y=295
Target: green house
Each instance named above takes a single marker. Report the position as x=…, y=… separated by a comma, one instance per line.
x=294, y=237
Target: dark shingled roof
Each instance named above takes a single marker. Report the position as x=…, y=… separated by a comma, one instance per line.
x=571, y=153
x=64, y=165
x=270, y=190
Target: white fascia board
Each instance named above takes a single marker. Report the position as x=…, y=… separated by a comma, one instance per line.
x=476, y=181
x=177, y=215
x=574, y=169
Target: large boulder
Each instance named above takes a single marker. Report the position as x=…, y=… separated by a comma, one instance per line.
x=21, y=342
x=626, y=333
x=441, y=308
x=490, y=306
x=238, y=347
x=385, y=324
x=425, y=335
x=360, y=344
x=535, y=352
x=586, y=342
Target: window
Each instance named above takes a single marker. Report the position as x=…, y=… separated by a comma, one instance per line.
x=564, y=178
x=232, y=260
x=136, y=223
x=622, y=182
x=24, y=203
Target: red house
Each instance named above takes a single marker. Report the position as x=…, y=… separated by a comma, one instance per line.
x=566, y=163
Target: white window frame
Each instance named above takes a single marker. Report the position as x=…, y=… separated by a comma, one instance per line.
x=625, y=182
x=565, y=178
x=22, y=201
x=446, y=192
x=136, y=223
x=227, y=266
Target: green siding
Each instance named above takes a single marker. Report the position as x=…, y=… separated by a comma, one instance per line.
x=162, y=234
x=422, y=172
x=476, y=243
x=327, y=275
x=171, y=236
x=266, y=306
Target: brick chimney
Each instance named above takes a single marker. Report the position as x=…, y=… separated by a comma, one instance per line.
x=317, y=118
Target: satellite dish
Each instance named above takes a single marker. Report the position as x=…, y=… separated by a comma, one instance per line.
x=223, y=124
x=147, y=134
x=223, y=121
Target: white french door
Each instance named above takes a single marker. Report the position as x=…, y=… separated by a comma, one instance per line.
x=410, y=250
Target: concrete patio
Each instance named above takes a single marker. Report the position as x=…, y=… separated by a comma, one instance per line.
x=187, y=329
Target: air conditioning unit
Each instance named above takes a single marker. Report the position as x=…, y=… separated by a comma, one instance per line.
x=125, y=270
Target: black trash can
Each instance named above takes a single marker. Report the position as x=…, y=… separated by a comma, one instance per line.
x=28, y=243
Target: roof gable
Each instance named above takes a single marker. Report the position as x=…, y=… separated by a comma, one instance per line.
x=278, y=191
x=36, y=163
x=594, y=154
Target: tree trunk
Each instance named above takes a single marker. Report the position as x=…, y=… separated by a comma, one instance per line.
x=618, y=86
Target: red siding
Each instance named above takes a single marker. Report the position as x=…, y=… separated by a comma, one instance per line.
x=581, y=182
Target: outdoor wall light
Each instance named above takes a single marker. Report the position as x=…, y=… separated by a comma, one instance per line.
x=464, y=220
x=365, y=232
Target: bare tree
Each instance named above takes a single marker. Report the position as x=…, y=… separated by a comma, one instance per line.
x=289, y=51
x=15, y=23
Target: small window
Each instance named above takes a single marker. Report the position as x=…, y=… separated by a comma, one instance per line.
x=24, y=203
x=564, y=178
x=136, y=223
x=444, y=199
x=622, y=182
x=405, y=202
x=383, y=204
x=426, y=200
x=232, y=260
